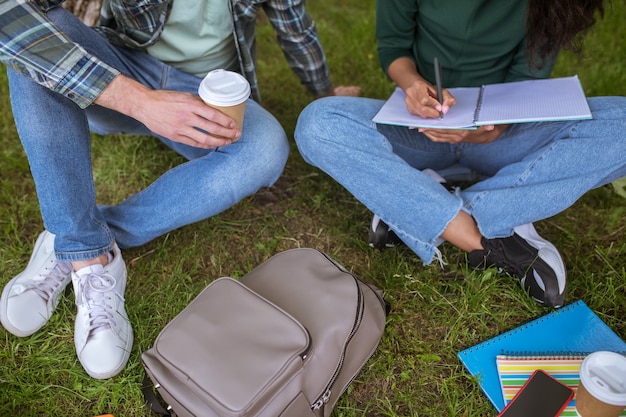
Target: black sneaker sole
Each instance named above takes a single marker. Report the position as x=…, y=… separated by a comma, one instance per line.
x=382, y=237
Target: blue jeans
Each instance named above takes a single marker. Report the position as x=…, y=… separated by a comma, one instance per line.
x=55, y=134
x=534, y=170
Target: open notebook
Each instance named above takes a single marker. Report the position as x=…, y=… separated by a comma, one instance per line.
x=554, y=99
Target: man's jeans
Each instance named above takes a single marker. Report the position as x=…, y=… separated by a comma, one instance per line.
x=535, y=170
x=55, y=134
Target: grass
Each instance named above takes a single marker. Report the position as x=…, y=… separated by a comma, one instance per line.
x=436, y=311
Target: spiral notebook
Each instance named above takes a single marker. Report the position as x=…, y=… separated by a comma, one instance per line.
x=573, y=329
x=514, y=371
x=553, y=99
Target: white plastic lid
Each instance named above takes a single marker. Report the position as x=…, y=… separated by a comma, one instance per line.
x=224, y=88
x=604, y=376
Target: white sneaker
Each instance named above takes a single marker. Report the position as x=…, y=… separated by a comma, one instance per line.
x=102, y=334
x=549, y=254
x=29, y=299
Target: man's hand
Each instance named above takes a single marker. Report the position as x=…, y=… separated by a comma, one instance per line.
x=181, y=117
x=484, y=134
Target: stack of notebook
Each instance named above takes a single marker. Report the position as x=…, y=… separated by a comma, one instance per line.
x=555, y=343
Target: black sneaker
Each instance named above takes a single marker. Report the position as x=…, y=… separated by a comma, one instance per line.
x=526, y=255
x=380, y=236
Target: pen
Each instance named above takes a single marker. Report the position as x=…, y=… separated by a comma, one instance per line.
x=438, y=83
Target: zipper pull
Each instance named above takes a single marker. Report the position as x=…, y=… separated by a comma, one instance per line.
x=321, y=401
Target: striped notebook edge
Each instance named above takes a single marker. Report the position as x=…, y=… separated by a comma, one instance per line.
x=515, y=369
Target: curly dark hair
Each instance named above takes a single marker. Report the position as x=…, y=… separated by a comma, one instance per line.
x=553, y=25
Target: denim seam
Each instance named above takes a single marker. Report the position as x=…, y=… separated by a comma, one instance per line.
x=91, y=253
x=83, y=255
x=164, y=76
x=430, y=249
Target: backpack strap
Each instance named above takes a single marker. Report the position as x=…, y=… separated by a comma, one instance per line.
x=151, y=399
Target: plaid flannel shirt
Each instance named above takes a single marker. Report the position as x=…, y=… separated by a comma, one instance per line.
x=33, y=46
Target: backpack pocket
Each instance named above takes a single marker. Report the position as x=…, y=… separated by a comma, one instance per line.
x=229, y=353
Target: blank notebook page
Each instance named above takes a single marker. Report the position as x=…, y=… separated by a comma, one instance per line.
x=533, y=100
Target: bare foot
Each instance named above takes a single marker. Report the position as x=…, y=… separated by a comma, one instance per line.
x=347, y=90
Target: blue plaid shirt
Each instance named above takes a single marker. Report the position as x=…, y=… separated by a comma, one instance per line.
x=31, y=44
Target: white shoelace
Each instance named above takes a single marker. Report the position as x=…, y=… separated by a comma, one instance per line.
x=97, y=291
x=47, y=283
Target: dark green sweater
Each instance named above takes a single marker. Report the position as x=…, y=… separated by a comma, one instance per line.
x=477, y=41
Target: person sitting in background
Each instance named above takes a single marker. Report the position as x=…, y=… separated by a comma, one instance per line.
x=531, y=170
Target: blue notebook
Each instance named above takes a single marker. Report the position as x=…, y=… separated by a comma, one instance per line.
x=573, y=329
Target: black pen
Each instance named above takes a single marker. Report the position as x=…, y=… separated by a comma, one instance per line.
x=438, y=84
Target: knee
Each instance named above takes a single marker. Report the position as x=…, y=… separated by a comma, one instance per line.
x=316, y=122
x=316, y=115
x=279, y=151
x=608, y=108
x=270, y=153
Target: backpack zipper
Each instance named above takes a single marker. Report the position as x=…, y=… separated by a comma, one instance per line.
x=326, y=393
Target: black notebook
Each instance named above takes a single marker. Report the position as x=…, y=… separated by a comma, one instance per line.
x=554, y=99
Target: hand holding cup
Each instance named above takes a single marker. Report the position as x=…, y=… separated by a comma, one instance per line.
x=227, y=92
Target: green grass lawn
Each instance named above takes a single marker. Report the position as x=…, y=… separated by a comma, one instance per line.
x=436, y=310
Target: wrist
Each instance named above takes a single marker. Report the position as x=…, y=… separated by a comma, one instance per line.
x=122, y=95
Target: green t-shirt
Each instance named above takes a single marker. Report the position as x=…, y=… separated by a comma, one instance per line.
x=198, y=37
x=477, y=41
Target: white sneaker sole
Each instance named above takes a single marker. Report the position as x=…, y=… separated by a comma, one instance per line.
x=35, y=264
x=547, y=251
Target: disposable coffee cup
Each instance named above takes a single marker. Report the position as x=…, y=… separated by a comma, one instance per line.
x=227, y=92
x=602, y=389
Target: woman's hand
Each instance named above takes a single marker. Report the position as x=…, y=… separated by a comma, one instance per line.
x=421, y=96
x=484, y=134
x=421, y=99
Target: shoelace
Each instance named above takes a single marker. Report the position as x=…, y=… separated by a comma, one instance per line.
x=497, y=258
x=47, y=283
x=503, y=264
x=96, y=291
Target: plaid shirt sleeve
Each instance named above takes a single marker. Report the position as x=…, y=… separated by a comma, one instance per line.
x=31, y=45
x=297, y=37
